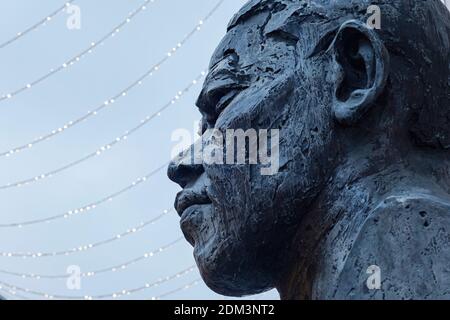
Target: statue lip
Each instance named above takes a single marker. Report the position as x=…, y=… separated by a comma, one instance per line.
x=192, y=220
x=189, y=198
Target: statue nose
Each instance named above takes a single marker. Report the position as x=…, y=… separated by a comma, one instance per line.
x=184, y=170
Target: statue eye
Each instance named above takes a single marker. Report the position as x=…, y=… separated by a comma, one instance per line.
x=230, y=59
x=231, y=56
x=219, y=98
x=223, y=83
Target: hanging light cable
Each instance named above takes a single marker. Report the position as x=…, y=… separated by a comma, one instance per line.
x=38, y=24
x=113, y=295
x=84, y=248
x=7, y=292
x=179, y=289
x=109, y=145
x=89, y=207
x=79, y=56
x=106, y=104
x=89, y=274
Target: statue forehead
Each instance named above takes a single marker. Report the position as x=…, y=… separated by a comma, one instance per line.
x=294, y=18
x=253, y=7
x=321, y=9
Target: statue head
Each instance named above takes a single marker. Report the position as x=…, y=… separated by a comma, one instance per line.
x=335, y=88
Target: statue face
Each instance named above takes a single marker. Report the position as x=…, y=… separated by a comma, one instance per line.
x=240, y=222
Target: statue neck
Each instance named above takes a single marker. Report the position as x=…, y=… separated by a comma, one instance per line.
x=335, y=218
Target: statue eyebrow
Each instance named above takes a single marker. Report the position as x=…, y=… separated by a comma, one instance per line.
x=249, y=9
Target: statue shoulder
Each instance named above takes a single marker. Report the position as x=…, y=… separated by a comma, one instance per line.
x=405, y=241
x=417, y=210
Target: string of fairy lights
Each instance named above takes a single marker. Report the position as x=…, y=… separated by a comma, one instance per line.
x=40, y=23
x=113, y=295
x=22, y=292
x=112, y=100
x=89, y=274
x=70, y=62
x=88, y=208
x=187, y=286
x=81, y=248
x=11, y=294
x=119, y=139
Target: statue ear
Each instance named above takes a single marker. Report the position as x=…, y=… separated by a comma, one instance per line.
x=363, y=64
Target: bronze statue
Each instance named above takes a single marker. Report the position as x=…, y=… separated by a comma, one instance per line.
x=363, y=184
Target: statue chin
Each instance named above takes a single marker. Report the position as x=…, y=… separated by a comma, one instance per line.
x=225, y=263
x=223, y=275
